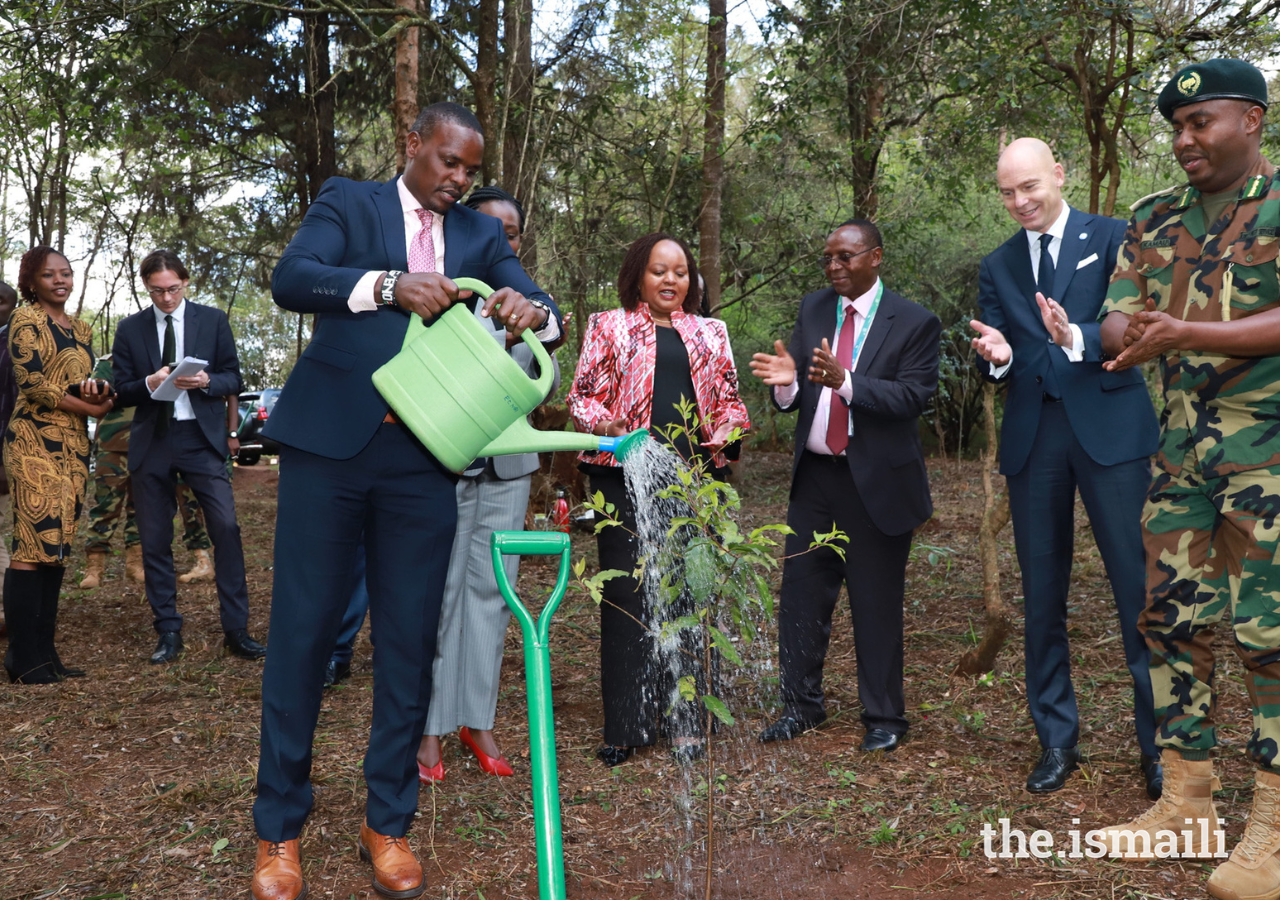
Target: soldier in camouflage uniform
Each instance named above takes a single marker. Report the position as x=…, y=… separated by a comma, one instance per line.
x=113, y=497
x=1196, y=285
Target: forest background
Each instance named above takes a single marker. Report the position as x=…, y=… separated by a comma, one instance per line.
x=209, y=127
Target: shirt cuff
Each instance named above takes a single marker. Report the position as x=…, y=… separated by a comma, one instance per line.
x=1075, y=353
x=361, y=299
x=999, y=371
x=785, y=394
x=846, y=390
x=549, y=332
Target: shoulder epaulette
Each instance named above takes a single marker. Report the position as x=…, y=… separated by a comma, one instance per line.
x=1150, y=197
x=1255, y=187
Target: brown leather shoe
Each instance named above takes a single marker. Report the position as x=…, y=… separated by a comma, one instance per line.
x=277, y=872
x=396, y=871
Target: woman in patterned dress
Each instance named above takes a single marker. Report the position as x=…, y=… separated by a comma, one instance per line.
x=46, y=458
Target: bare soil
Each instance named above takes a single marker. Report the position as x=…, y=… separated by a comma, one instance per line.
x=137, y=782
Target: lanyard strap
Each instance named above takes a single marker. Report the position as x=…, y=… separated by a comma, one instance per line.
x=866, y=323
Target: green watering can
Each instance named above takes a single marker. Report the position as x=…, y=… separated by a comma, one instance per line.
x=537, y=672
x=464, y=397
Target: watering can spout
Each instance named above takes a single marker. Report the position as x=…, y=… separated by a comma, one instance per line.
x=521, y=437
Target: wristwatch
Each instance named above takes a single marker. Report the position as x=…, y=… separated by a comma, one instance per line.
x=388, y=292
x=546, y=309
x=233, y=434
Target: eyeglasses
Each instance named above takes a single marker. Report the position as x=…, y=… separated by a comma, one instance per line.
x=171, y=291
x=824, y=262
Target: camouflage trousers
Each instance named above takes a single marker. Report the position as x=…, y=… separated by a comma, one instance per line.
x=112, y=497
x=1212, y=554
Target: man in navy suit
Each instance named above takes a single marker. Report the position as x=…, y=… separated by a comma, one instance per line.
x=186, y=437
x=366, y=258
x=1067, y=424
x=871, y=361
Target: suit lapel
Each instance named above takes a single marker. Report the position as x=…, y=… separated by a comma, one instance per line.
x=387, y=201
x=190, y=331
x=1074, y=240
x=456, y=230
x=1017, y=259
x=880, y=326
x=151, y=338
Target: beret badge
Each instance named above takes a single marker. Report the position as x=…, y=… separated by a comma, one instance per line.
x=1189, y=83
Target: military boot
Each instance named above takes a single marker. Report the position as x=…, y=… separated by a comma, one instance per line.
x=1188, y=794
x=201, y=571
x=133, y=563
x=95, y=566
x=1253, y=871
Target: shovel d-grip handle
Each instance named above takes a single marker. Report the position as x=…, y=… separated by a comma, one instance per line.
x=544, y=778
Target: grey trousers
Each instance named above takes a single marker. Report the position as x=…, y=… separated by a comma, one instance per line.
x=473, y=620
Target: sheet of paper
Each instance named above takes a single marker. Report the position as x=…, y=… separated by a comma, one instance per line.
x=189, y=366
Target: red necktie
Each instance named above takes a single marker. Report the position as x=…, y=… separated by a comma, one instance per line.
x=838, y=412
x=422, y=252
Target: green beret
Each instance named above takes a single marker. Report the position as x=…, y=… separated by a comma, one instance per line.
x=1216, y=79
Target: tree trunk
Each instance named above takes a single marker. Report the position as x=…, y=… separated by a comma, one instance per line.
x=404, y=108
x=865, y=96
x=995, y=515
x=713, y=153
x=318, y=141
x=485, y=84
x=518, y=172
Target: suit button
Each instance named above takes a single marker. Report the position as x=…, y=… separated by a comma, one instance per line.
x=1039, y=379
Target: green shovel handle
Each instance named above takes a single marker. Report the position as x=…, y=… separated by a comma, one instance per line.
x=532, y=543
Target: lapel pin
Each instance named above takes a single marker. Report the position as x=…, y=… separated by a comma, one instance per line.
x=1083, y=235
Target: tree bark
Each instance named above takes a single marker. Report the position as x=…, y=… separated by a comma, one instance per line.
x=318, y=143
x=404, y=108
x=485, y=84
x=713, y=153
x=995, y=515
x=517, y=171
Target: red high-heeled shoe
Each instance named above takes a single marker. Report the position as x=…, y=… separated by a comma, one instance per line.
x=433, y=775
x=499, y=766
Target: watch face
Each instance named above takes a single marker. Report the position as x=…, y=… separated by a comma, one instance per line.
x=234, y=434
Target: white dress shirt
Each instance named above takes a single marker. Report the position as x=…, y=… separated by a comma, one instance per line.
x=362, y=296
x=182, y=410
x=785, y=394
x=1075, y=353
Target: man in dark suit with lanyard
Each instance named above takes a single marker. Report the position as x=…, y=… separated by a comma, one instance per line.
x=367, y=257
x=872, y=361
x=1067, y=423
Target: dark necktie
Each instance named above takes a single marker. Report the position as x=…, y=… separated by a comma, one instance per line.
x=1044, y=276
x=838, y=413
x=1044, y=284
x=167, y=357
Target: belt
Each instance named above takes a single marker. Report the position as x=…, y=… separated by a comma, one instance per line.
x=391, y=417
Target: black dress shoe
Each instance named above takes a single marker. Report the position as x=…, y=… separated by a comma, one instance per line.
x=1153, y=773
x=785, y=729
x=238, y=643
x=336, y=672
x=1050, y=774
x=879, y=739
x=167, y=648
x=614, y=756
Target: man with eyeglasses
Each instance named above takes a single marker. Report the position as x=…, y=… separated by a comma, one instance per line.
x=871, y=358
x=188, y=437
x=1067, y=424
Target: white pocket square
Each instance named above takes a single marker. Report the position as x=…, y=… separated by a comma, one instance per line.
x=1091, y=258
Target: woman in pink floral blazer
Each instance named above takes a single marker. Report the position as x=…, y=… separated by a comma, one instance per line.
x=637, y=363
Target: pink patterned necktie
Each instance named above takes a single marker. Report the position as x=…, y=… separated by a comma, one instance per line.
x=422, y=252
